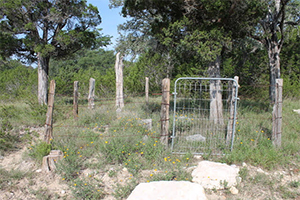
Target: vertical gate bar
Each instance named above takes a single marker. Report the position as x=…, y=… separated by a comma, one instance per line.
x=236, y=78
x=174, y=115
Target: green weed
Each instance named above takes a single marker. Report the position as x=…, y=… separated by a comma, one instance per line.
x=123, y=191
x=39, y=150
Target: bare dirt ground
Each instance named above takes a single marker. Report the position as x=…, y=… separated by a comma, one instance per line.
x=33, y=183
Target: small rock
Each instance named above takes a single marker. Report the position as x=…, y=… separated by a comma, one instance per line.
x=297, y=111
x=244, y=164
x=196, y=137
x=147, y=123
x=125, y=169
x=63, y=192
x=233, y=190
x=260, y=170
x=1, y=157
x=198, y=157
x=145, y=138
x=39, y=170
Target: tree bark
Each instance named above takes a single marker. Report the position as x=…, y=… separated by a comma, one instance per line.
x=274, y=31
x=43, y=70
x=274, y=67
x=216, y=105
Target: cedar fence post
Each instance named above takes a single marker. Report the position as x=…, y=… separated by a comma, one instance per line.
x=277, y=114
x=147, y=89
x=75, y=100
x=165, y=104
x=48, y=136
x=91, y=94
x=119, y=82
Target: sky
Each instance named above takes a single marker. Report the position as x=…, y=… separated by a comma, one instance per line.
x=111, y=18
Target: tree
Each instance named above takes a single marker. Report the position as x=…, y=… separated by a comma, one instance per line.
x=272, y=34
x=197, y=29
x=42, y=29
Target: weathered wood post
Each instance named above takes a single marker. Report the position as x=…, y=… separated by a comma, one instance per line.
x=231, y=102
x=147, y=89
x=119, y=82
x=48, y=136
x=91, y=96
x=75, y=100
x=277, y=114
x=165, y=104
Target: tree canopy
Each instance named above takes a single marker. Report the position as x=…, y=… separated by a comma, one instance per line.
x=39, y=30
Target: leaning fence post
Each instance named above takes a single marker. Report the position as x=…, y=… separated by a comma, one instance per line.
x=277, y=114
x=147, y=89
x=91, y=94
x=75, y=100
x=165, y=104
x=48, y=136
x=231, y=101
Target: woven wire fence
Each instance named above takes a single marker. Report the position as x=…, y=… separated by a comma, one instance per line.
x=204, y=115
x=138, y=119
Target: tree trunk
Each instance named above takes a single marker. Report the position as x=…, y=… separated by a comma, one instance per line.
x=274, y=66
x=273, y=43
x=43, y=69
x=216, y=105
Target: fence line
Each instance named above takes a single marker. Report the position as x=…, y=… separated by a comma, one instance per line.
x=164, y=121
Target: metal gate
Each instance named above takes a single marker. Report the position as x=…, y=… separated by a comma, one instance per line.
x=204, y=115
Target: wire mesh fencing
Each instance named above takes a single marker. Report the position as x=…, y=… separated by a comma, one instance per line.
x=139, y=118
x=204, y=115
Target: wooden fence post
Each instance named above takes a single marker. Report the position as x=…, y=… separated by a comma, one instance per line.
x=91, y=94
x=231, y=102
x=48, y=136
x=277, y=114
x=165, y=104
x=147, y=90
x=75, y=100
x=119, y=82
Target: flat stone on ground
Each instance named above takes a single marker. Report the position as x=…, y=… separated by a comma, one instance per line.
x=213, y=175
x=168, y=190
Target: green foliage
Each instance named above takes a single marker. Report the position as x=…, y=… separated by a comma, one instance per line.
x=253, y=141
x=8, y=179
x=124, y=191
x=290, y=61
x=86, y=189
x=39, y=150
x=73, y=27
x=36, y=112
x=16, y=81
x=7, y=140
x=82, y=66
x=294, y=184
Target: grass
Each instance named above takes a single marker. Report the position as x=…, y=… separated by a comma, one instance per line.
x=102, y=138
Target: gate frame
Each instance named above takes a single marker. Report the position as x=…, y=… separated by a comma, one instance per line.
x=235, y=99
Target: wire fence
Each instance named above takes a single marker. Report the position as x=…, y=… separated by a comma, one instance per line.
x=194, y=124
x=140, y=117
